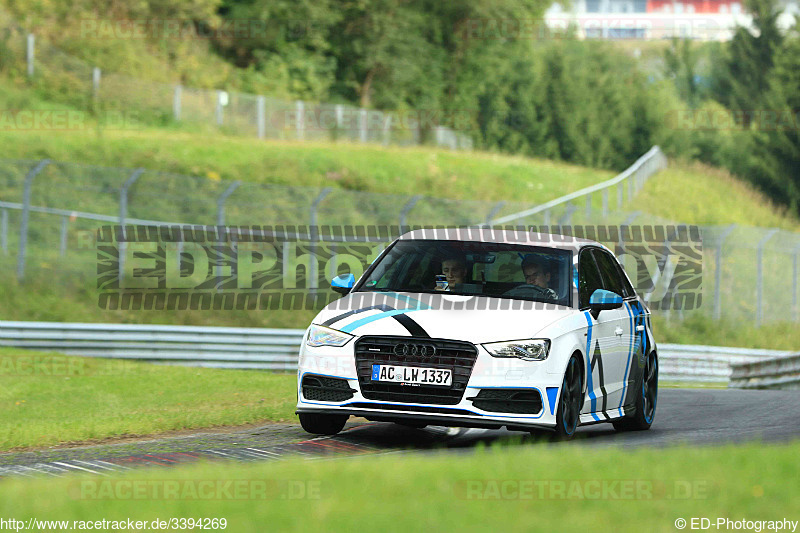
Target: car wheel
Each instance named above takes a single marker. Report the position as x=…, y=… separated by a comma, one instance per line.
x=569, y=405
x=320, y=424
x=645, y=401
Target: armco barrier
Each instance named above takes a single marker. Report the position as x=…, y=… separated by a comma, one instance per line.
x=774, y=373
x=255, y=348
x=277, y=349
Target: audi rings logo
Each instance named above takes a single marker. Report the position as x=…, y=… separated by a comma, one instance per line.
x=418, y=350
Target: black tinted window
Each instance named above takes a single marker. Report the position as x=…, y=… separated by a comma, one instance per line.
x=588, y=278
x=609, y=270
x=626, y=285
x=474, y=268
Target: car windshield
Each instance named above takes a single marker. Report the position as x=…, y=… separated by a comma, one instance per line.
x=475, y=269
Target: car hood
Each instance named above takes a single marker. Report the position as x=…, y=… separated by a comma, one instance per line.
x=471, y=318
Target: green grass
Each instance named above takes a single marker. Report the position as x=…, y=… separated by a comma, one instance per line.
x=49, y=399
x=391, y=170
x=699, y=329
x=516, y=488
x=699, y=194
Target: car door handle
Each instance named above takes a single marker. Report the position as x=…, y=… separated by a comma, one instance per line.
x=618, y=331
x=639, y=328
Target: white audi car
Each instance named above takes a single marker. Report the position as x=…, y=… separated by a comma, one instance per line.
x=482, y=328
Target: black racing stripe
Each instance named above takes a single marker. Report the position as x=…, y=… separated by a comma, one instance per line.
x=350, y=313
x=411, y=325
x=598, y=357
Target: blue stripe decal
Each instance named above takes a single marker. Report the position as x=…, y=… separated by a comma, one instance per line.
x=552, y=392
x=420, y=306
x=630, y=350
x=590, y=388
x=358, y=323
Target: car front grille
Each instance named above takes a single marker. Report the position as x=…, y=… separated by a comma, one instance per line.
x=325, y=389
x=458, y=356
x=518, y=401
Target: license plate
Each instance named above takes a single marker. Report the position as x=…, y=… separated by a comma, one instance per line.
x=412, y=375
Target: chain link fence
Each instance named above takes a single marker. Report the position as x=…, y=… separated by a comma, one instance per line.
x=125, y=101
x=748, y=274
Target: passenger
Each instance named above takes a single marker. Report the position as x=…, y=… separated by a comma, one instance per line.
x=454, y=270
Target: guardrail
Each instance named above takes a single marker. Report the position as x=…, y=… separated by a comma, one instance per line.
x=707, y=364
x=277, y=349
x=245, y=348
x=636, y=175
x=774, y=373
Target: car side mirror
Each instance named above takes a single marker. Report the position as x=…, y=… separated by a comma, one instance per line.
x=342, y=284
x=603, y=300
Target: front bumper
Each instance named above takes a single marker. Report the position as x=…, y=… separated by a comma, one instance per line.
x=488, y=374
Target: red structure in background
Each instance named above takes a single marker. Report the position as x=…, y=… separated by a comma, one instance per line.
x=693, y=6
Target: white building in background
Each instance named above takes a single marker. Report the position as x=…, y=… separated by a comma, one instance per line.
x=658, y=19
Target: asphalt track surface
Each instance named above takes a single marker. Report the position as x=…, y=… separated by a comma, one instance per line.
x=683, y=416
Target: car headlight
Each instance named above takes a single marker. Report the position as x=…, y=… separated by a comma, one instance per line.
x=527, y=349
x=322, y=336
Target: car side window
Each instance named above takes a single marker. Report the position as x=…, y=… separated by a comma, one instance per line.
x=588, y=278
x=608, y=269
x=626, y=284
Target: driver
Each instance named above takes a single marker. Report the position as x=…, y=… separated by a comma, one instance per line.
x=536, y=273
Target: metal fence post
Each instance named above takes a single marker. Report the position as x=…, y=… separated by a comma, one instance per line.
x=218, y=112
x=26, y=206
x=261, y=122
x=406, y=208
x=588, y=207
x=29, y=53
x=362, y=126
x=619, y=196
x=630, y=189
x=95, y=82
x=221, y=212
x=313, y=281
x=123, y=212
x=718, y=273
x=176, y=102
x=795, y=259
x=4, y=230
x=493, y=213
x=221, y=202
x=339, y=119
x=63, y=248
x=387, y=130
x=566, y=218
x=547, y=218
x=299, y=119
x=760, y=276
x=605, y=203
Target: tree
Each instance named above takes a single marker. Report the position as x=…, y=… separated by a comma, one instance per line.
x=744, y=76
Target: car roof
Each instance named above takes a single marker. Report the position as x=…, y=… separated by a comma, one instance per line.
x=505, y=236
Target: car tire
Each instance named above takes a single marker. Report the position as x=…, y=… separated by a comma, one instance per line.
x=646, y=400
x=568, y=414
x=320, y=424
